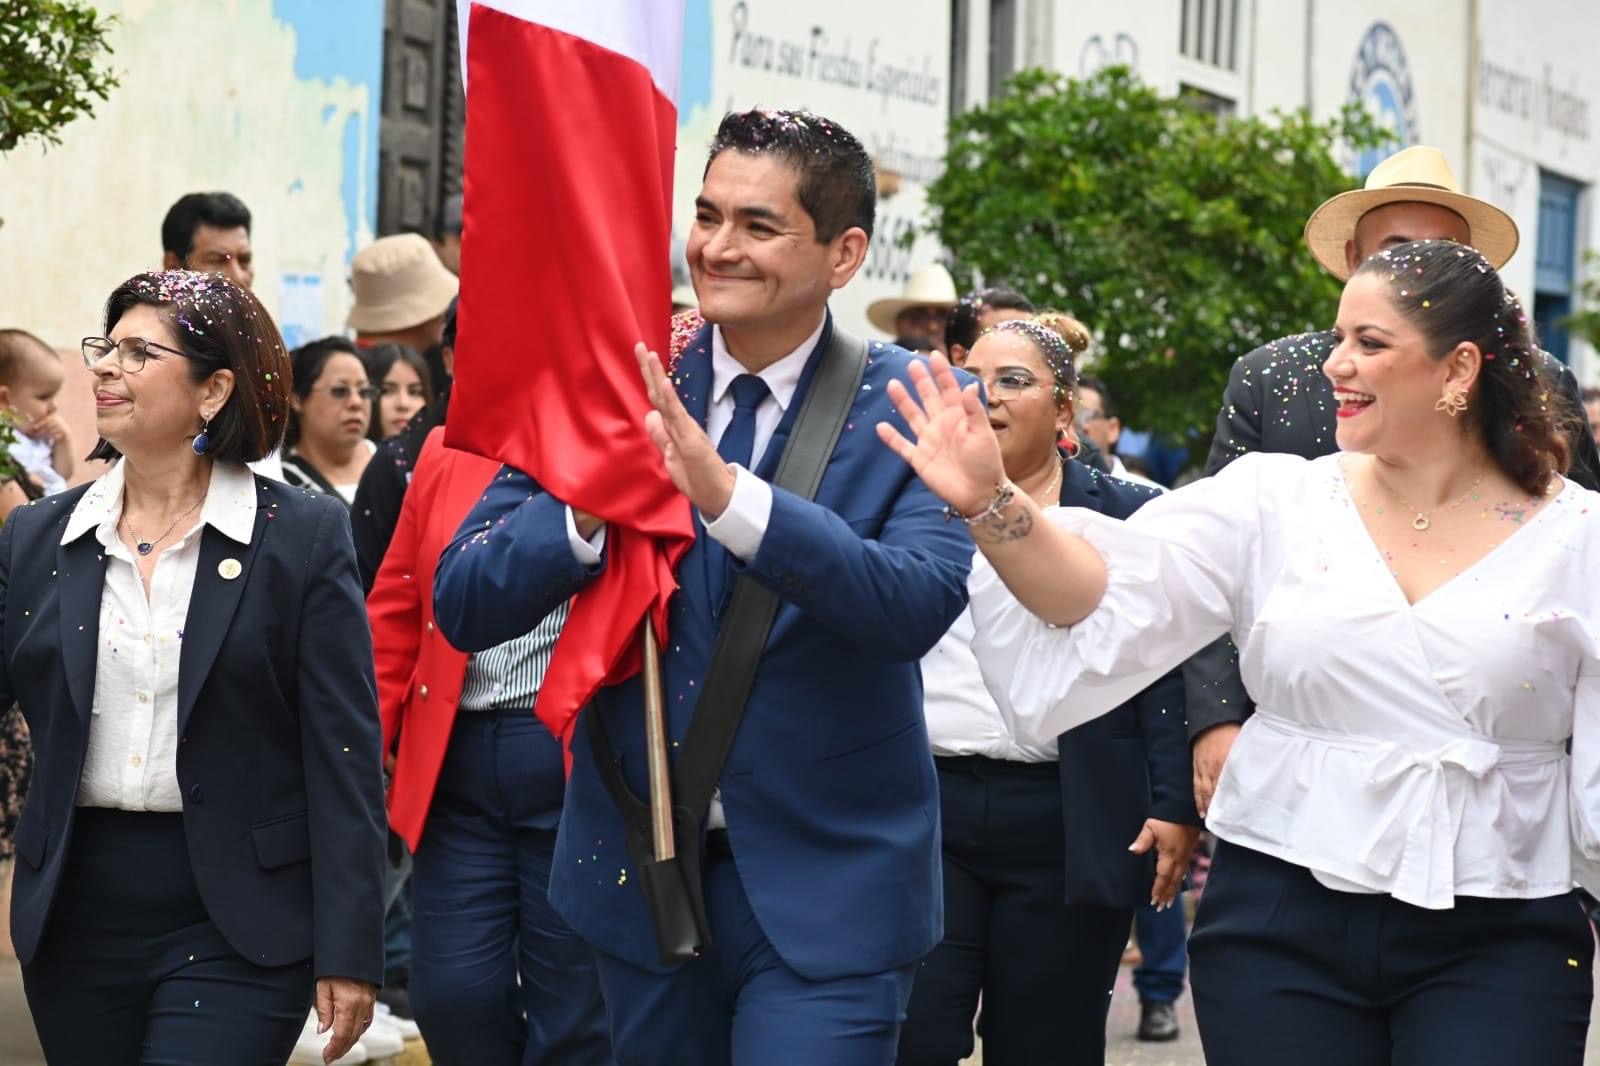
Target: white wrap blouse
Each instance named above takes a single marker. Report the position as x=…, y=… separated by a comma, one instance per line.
x=1417, y=750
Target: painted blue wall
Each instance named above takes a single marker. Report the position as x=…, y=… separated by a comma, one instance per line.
x=344, y=39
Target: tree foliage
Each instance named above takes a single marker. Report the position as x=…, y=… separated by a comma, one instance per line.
x=1585, y=323
x=49, y=67
x=1175, y=236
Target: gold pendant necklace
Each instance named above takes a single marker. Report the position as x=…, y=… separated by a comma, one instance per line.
x=1423, y=522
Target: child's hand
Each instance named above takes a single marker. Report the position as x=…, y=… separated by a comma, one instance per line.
x=50, y=429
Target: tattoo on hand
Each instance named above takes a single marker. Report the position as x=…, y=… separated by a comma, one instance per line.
x=1002, y=529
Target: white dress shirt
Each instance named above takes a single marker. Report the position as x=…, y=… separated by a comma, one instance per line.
x=132, y=759
x=743, y=523
x=1415, y=750
x=963, y=718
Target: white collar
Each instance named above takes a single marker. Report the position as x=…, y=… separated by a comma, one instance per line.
x=229, y=508
x=782, y=377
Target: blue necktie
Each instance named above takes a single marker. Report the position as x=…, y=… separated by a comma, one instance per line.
x=738, y=445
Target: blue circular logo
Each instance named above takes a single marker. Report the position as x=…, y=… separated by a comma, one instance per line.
x=1380, y=83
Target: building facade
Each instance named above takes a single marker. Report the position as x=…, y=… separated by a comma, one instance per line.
x=1504, y=88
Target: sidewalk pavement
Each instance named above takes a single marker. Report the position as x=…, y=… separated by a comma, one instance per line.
x=19, y=1048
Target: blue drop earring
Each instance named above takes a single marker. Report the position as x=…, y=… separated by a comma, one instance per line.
x=201, y=439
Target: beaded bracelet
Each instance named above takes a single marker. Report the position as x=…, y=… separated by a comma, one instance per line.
x=1004, y=493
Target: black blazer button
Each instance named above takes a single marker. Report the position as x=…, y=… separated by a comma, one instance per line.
x=197, y=794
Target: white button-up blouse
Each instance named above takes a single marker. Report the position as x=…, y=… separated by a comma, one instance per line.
x=1416, y=750
x=132, y=757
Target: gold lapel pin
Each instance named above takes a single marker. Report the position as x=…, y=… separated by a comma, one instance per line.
x=229, y=569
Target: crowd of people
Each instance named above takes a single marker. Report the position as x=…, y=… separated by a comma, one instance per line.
x=276, y=793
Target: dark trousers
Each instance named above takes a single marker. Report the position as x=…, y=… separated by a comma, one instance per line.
x=131, y=969
x=1044, y=969
x=1162, y=938
x=740, y=1003
x=497, y=978
x=1287, y=970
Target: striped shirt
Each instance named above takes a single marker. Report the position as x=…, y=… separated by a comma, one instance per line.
x=509, y=675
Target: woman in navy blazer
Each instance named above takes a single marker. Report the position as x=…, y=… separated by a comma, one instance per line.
x=1047, y=847
x=202, y=844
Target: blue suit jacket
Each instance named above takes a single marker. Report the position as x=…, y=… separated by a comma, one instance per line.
x=829, y=790
x=278, y=739
x=1126, y=766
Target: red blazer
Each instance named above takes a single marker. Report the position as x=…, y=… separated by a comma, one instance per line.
x=419, y=674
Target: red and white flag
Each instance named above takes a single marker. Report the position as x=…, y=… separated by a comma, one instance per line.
x=565, y=266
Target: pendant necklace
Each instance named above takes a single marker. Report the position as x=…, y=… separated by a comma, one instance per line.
x=145, y=547
x=1423, y=521
x=1055, y=483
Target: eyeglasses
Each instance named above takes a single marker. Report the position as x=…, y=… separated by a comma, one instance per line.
x=1010, y=385
x=1085, y=417
x=342, y=392
x=131, y=352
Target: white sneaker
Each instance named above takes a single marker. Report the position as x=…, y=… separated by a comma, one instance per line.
x=308, y=1049
x=382, y=1038
x=407, y=1026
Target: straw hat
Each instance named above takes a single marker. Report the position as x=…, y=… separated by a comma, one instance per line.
x=399, y=282
x=1418, y=174
x=931, y=286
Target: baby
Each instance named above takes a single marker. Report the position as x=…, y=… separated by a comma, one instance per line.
x=30, y=377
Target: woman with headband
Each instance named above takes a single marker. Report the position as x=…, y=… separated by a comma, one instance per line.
x=1049, y=844
x=1400, y=821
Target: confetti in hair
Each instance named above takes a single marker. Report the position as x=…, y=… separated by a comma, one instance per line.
x=1052, y=347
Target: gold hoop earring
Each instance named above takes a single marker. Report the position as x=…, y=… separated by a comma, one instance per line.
x=1452, y=403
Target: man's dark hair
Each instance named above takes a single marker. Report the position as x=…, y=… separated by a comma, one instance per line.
x=836, y=185
x=1108, y=406
x=220, y=209
x=218, y=326
x=962, y=326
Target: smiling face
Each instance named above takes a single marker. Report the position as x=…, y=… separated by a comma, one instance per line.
x=334, y=415
x=1021, y=392
x=1384, y=379
x=753, y=253
x=159, y=408
x=402, y=396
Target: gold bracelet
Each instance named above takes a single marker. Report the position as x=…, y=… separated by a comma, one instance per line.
x=1004, y=494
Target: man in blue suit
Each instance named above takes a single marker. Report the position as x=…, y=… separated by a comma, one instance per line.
x=821, y=878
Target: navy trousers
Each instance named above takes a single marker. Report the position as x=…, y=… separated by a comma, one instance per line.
x=1044, y=970
x=1287, y=970
x=740, y=1003
x=497, y=978
x=131, y=969
x=1163, y=943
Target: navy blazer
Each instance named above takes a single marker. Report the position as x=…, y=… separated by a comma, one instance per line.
x=829, y=791
x=278, y=740
x=1126, y=766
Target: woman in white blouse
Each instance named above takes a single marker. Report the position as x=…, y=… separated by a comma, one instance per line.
x=1417, y=620
x=1040, y=881
x=200, y=854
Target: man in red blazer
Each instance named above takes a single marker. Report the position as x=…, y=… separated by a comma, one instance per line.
x=496, y=976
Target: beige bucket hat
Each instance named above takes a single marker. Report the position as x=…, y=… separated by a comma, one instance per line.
x=1418, y=174
x=399, y=282
x=932, y=286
